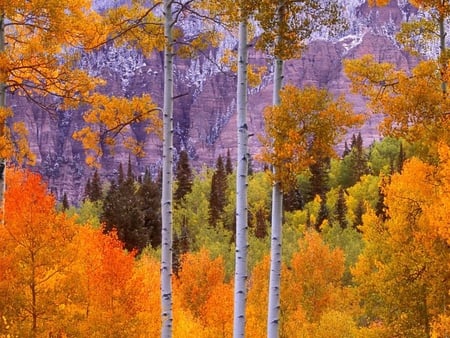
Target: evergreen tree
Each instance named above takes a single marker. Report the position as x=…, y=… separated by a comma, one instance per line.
x=65, y=202
x=87, y=189
x=121, y=212
x=217, y=199
x=359, y=212
x=293, y=199
x=183, y=177
x=340, y=211
x=381, y=207
x=180, y=247
x=319, y=178
x=228, y=164
x=346, y=150
x=322, y=215
x=360, y=166
x=120, y=175
x=149, y=199
x=260, y=223
x=353, y=165
x=95, y=193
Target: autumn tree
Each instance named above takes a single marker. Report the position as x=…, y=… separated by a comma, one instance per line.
x=203, y=291
x=301, y=129
x=284, y=36
x=412, y=102
x=403, y=272
x=38, y=240
x=37, y=44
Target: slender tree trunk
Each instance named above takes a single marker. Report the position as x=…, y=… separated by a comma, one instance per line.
x=273, y=318
x=443, y=55
x=2, y=124
x=167, y=179
x=240, y=276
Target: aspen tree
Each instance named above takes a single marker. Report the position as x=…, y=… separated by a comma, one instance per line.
x=285, y=33
x=167, y=176
x=37, y=44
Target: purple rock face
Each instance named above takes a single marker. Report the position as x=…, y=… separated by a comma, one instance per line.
x=205, y=119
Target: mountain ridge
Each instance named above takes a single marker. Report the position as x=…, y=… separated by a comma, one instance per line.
x=204, y=118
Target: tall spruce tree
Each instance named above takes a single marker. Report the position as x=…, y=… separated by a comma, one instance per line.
x=340, y=210
x=183, y=176
x=121, y=212
x=149, y=199
x=93, y=190
x=217, y=199
x=229, y=164
x=319, y=178
x=65, y=202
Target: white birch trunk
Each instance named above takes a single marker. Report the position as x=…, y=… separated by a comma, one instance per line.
x=2, y=126
x=240, y=276
x=167, y=177
x=273, y=318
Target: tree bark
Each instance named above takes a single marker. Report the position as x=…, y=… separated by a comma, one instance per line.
x=167, y=179
x=240, y=280
x=273, y=318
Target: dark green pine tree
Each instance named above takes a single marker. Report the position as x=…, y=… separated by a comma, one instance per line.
x=217, y=198
x=360, y=166
x=318, y=181
x=183, y=177
x=359, y=212
x=293, y=199
x=180, y=246
x=65, y=202
x=261, y=223
x=149, y=197
x=322, y=214
x=346, y=150
x=121, y=212
x=87, y=190
x=340, y=210
x=381, y=209
x=229, y=164
x=95, y=192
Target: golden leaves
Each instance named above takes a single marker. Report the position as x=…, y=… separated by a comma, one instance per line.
x=113, y=116
x=302, y=129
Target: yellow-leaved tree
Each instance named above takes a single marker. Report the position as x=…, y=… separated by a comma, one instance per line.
x=39, y=43
x=403, y=272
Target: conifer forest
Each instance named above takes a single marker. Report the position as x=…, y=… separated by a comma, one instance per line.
x=320, y=233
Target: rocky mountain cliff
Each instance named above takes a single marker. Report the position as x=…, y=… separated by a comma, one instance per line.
x=205, y=115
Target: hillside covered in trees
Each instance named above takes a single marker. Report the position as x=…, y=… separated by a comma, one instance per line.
x=314, y=243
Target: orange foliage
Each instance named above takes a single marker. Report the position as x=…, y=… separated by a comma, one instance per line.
x=201, y=289
x=57, y=278
x=405, y=262
x=37, y=253
x=302, y=129
x=314, y=281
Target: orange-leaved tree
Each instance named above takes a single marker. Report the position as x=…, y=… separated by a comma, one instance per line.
x=403, y=272
x=202, y=290
x=112, y=292
x=39, y=43
x=36, y=243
